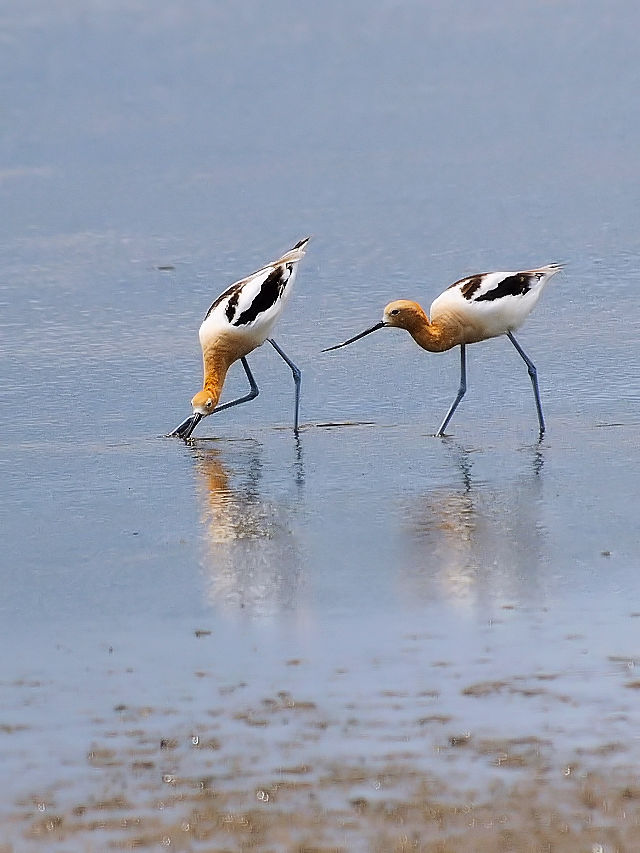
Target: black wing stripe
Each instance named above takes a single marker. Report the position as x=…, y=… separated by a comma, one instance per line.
x=269, y=293
x=470, y=285
x=233, y=291
x=513, y=285
x=232, y=304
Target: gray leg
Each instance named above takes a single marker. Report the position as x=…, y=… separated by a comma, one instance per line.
x=253, y=393
x=297, y=376
x=461, y=391
x=533, y=373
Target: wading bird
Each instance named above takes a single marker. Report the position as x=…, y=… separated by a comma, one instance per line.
x=240, y=320
x=471, y=310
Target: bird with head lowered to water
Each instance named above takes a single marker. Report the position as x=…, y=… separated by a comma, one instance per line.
x=240, y=320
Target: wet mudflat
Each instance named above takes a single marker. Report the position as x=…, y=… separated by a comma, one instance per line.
x=407, y=752
x=242, y=684
x=234, y=764
x=363, y=638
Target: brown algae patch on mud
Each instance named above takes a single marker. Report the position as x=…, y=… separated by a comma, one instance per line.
x=441, y=719
x=525, y=752
x=517, y=686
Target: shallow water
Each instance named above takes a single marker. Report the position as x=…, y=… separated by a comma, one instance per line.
x=305, y=641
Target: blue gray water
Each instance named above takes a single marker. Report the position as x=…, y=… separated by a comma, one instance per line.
x=152, y=153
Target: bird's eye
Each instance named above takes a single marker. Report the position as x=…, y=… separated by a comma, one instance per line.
x=396, y=311
x=209, y=404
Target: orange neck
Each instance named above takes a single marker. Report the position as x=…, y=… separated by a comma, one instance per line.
x=434, y=337
x=217, y=361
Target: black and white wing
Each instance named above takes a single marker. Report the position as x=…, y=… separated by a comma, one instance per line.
x=259, y=297
x=488, y=286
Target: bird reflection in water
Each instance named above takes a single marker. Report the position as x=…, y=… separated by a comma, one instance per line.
x=478, y=543
x=252, y=558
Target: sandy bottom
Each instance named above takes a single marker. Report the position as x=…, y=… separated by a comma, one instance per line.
x=592, y=813
x=282, y=774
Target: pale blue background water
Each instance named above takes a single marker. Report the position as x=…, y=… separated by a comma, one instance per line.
x=416, y=142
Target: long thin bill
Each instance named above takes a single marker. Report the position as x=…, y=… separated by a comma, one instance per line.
x=187, y=426
x=375, y=328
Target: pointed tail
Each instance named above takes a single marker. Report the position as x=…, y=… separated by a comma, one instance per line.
x=549, y=269
x=295, y=254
